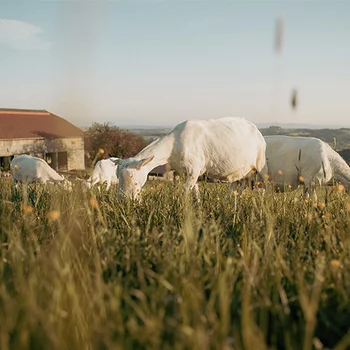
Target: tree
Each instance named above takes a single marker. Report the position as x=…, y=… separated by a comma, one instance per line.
x=105, y=140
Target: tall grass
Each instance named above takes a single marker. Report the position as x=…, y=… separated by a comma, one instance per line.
x=79, y=270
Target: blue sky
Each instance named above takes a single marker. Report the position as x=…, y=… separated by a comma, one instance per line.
x=159, y=62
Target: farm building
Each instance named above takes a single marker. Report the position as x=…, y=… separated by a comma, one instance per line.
x=41, y=134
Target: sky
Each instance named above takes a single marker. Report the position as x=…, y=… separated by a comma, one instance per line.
x=160, y=62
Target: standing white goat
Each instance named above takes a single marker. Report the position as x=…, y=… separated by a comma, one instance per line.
x=26, y=169
x=292, y=160
x=226, y=148
x=105, y=170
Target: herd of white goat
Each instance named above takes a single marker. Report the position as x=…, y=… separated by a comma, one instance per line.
x=227, y=149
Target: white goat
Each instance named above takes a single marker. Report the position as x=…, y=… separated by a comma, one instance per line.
x=26, y=169
x=226, y=148
x=292, y=160
x=340, y=169
x=105, y=170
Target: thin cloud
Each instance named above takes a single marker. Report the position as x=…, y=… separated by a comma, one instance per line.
x=23, y=35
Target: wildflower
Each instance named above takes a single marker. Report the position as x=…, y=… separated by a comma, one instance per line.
x=322, y=205
x=27, y=209
x=266, y=176
x=160, y=185
x=301, y=179
x=280, y=172
x=101, y=150
x=93, y=202
x=348, y=206
x=217, y=198
x=53, y=215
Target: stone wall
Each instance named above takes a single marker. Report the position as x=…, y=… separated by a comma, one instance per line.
x=38, y=147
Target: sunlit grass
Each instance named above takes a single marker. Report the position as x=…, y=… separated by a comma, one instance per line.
x=79, y=270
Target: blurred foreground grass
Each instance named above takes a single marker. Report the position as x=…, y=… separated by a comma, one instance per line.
x=78, y=270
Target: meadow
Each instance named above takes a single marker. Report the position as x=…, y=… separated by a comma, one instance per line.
x=79, y=270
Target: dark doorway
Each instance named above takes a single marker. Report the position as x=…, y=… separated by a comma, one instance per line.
x=62, y=161
x=51, y=159
x=5, y=163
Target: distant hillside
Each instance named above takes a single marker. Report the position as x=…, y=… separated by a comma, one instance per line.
x=300, y=126
x=339, y=137
x=151, y=133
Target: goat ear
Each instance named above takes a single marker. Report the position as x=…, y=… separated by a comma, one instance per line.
x=143, y=162
x=116, y=161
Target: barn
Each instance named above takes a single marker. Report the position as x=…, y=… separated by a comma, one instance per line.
x=41, y=134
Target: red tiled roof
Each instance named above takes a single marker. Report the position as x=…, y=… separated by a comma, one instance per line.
x=29, y=124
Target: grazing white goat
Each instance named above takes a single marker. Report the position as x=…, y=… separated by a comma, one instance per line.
x=105, y=170
x=340, y=169
x=26, y=169
x=227, y=149
x=292, y=160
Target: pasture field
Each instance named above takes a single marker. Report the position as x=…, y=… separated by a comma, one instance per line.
x=78, y=270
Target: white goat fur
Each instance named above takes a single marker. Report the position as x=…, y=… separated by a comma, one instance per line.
x=290, y=157
x=26, y=169
x=105, y=170
x=226, y=148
